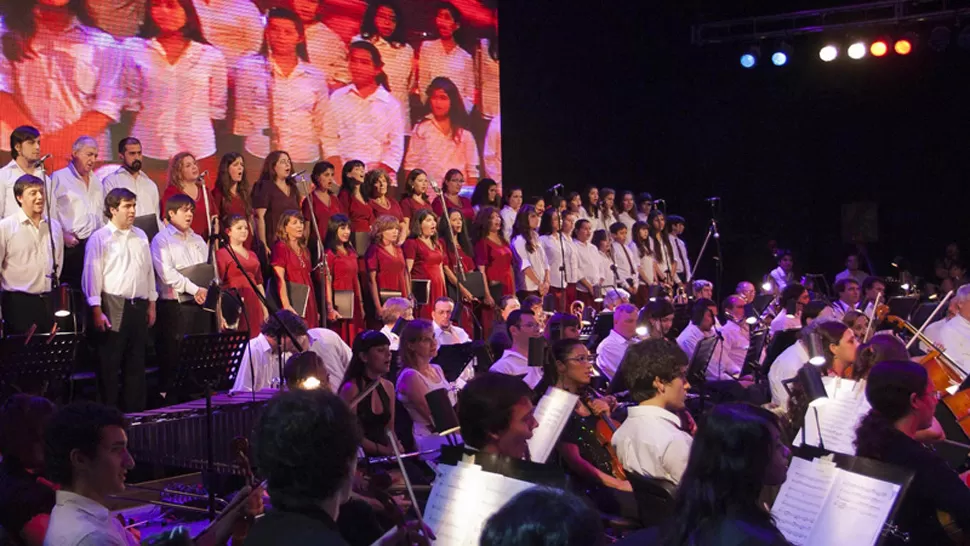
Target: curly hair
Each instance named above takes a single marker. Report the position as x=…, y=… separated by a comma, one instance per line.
x=479, y=227
x=76, y=426
x=175, y=170
x=380, y=225
x=305, y=445
x=485, y=405
x=648, y=360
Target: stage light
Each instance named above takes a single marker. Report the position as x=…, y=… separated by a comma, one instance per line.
x=828, y=53
x=903, y=47
x=857, y=50
x=816, y=353
x=940, y=38
x=879, y=48
x=766, y=286
x=781, y=55
x=751, y=320
x=750, y=57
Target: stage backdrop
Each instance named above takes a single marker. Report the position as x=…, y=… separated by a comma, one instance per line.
x=117, y=68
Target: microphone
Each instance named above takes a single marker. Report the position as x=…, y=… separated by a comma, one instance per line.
x=712, y=199
x=556, y=187
x=714, y=227
x=43, y=159
x=202, y=175
x=294, y=175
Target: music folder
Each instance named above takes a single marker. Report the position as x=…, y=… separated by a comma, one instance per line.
x=201, y=275
x=343, y=303
x=299, y=295
x=475, y=283
x=421, y=290
x=149, y=224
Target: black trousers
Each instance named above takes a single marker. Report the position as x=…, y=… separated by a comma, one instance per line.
x=176, y=320
x=22, y=310
x=73, y=264
x=123, y=353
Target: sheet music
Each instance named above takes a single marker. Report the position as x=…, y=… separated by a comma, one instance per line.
x=856, y=512
x=463, y=498
x=552, y=413
x=802, y=498
x=838, y=417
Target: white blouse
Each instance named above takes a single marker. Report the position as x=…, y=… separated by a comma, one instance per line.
x=177, y=102
x=554, y=257
x=435, y=152
x=235, y=28
x=369, y=129
x=589, y=264
x=525, y=259
x=647, y=270
x=457, y=66
x=508, y=220
x=487, y=72
x=398, y=62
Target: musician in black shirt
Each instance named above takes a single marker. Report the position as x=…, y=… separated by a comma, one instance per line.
x=26, y=499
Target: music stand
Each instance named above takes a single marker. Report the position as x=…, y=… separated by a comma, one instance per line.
x=37, y=360
x=756, y=345
x=697, y=369
x=453, y=359
x=902, y=306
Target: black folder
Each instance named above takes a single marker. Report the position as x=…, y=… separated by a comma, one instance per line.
x=299, y=295
x=201, y=275
x=149, y=224
x=343, y=303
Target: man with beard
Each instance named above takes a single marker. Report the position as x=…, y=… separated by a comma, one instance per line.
x=130, y=177
x=79, y=198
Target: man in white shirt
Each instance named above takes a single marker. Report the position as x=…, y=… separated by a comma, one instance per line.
x=395, y=308
x=652, y=442
x=872, y=287
x=26, y=262
x=703, y=289
x=522, y=327
x=261, y=361
x=852, y=270
x=730, y=355
x=786, y=366
x=333, y=351
x=130, y=177
x=625, y=259
x=794, y=296
x=782, y=276
x=87, y=454
x=681, y=256
x=848, y=291
x=935, y=328
x=701, y=325
x=25, y=150
x=79, y=197
x=955, y=334
x=610, y=352
x=119, y=284
x=445, y=332
x=175, y=249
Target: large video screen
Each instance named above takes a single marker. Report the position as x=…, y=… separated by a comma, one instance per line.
x=398, y=85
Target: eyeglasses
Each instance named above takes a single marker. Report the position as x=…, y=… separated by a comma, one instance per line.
x=586, y=358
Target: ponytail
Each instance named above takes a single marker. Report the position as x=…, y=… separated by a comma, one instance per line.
x=873, y=436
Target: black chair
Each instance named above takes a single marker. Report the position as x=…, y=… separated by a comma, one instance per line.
x=779, y=342
x=923, y=312
x=655, y=498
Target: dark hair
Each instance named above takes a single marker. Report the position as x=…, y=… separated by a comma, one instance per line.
x=579, y=223
x=348, y=183
x=479, y=227
x=76, y=426
x=24, y=182
x=123, y=143
x=587, y=202
x=617, y=227
x=700, y=309
x=559, y=322
x=269, y=166
x=812, y=310
x=305, y=445
x=459, y=35
x=368, y=29
x=283, y=13
x=456, y=113
x=659, y=308
x=648, y=360
x=485, y=406
x=409, y=190
x=599, y=236
x=644, y=197
x=20, y=26
x=782, y=252
x=22, y=421
x=545, y=223
x=192, y=29
x=224, y=183
x=504, y=301
x=507, y=194
x=870, y=282
x=602, y=212
x=515, y=317
x=115, y=197
x=330, y=240
x=480, y=195
x=550, y=374
x=889, y=389
x=842, y=284
x=273, y=325
x=303, y=365
x=368, y=189
x=544, y=517
x=416, y=221
x=657, y=237
x=880, y=348
x=178, y=202
x=21, y=134
x=464, y=241
x=725, y=474
x=521, y=227
x=642, y=243
x=319, y=168
x=791, y=292
x=365, y=341
x=830, y=332
x=375, y=57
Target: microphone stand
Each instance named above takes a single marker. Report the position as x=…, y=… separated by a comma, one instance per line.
x=719, y=266
x=54, y=277
x=321, y=252
x=562, y=249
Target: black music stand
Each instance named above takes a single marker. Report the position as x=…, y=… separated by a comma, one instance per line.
x=36, y=361
x=209, y=361
x=453, y=359
x=697, y=369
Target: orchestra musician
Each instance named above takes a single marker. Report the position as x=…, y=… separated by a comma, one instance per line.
x=418, y=376
x=131, y=177
x=26, y=496
x=394, y=309
x=260, y=365
x=119, y=284
x=609, y=353
x=955, y=334
x=522, y=326
x=27, y=239
x=872, y=287
x=342, y=271
x=852, y=270
x=496, y=415
x=539, y=513
x=446, y=332
x=782, y=276
x=425, y=257
x=703, y=320
x=291, y=264
x=375, y=413
x=660, y=318
x=230, y=276
x=798, y=294
x=78, y=195
x=848, y=291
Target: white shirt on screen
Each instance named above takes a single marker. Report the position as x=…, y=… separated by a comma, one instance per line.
x=492, y=151
x=333, y=351
x=235, y=27
x=80, y=204
x=259, y=366
x=627, y=261
x=651, y=443
x=487, y=71
x=525, y=259
x=955, y=338
x=457, y=66
x=610, y=352
x=515, y=363
x=8, y=177
x=785, y=367
x=119, y=18
x=435, y=152
x=118, y=262
x=144, y=188
x=398, y=62
x=729, y=355
x=366, y=128
x=554, y=257
x=328, y=52
x=295, y=104
x=588, y=264
x=67, y=75
x=25, y=253
x=508, y=221
x=77, y=520
x=173, y=250
x=175, y=103
x=454, y=335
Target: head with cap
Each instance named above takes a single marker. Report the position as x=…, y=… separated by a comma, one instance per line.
x=676, y=224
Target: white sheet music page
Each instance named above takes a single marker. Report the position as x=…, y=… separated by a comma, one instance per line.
x=552, y=414
x=463, y=498
x=802, y=498
x=838, y=416
x=856, y=512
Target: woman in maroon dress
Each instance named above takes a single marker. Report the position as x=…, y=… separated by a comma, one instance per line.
x=454, y=182
x=493, y=256
x=375, y=190
x=324, y=203
x=352, y=201
x=425, y=258
x=456, y=223
x=274, y=194
x=183, y=177
x=231, y=277
x=232, y=194
x=415, y=197
x=386, y=268
x=342, y=265
x=291, y=263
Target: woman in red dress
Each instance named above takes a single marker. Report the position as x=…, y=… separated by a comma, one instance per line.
x=454, y=182
x=352, y=201
x=233, y=194
x=375, y=190
x=456, y=221
x=342, y=265
x=291, y=263
x=415, y=198
x=183, y=177
x=231, y=277
x=493, y=256
x=386, y=268
x=324, y=203
x=425, y=258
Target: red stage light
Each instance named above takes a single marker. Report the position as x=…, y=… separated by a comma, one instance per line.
x=903, y=47
x=879, y=48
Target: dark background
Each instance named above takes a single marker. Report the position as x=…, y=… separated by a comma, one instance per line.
x=614, y=94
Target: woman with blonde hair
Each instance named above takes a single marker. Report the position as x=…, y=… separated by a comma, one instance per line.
x=418, y=377
x=183, y=177
x=292, y=265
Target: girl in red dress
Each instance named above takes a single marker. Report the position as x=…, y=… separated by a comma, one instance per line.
x=233, y=194
x=352, y=201
x=456, y=221
x=375, y=191
x=291, y=263
x=342, y=265
x=231, y=277
x=183, y=177
x=386, y=268
x=454, y=182
x=493, y=256
x=425, y=258
x=415, y=198
x=324, y=203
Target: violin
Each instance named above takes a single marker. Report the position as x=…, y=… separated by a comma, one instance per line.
x=605, y=427
x=942, y=371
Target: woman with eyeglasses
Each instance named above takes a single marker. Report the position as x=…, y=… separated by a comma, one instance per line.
x=417, y=378
x=450, y=190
